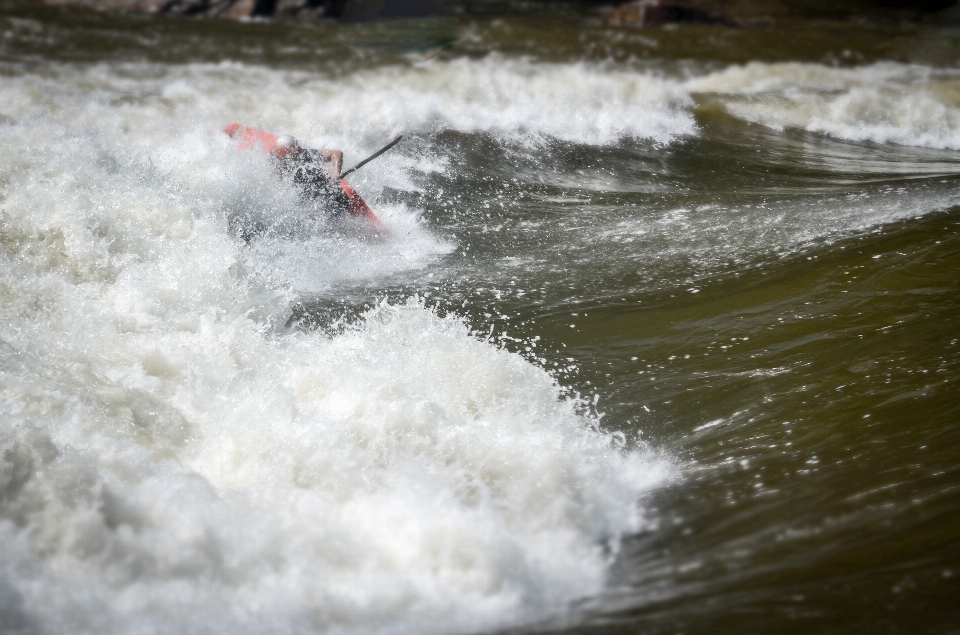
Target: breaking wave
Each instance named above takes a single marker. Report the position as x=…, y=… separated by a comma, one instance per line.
x=883, y=103
x=173, y=459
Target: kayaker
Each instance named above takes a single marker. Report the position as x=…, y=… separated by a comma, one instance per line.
x=288, y=148
x=316, y=172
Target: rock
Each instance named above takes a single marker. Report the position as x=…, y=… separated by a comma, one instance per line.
x=230, y=9
x=238, y=9
x=660, y=13
x=123, y=6
x=306, y=9
x=301, y=10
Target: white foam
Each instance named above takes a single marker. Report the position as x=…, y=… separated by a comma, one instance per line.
x=694, y=244
x=173, y=461
x=585, y=103
x=401, y=477
x=884, y=102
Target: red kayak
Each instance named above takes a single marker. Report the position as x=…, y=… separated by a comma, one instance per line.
x=252, y=138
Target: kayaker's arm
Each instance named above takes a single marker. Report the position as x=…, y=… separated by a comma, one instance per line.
x=335, y=157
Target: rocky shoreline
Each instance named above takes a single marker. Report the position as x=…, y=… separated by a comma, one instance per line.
x=636, y=12
x=231, y=9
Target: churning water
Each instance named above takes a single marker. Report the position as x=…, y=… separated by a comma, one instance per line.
x=649, y=340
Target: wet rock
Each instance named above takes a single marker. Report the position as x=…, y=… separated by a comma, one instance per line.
x=123, y=6
x=660, y=13
x=307, y=9
x=301, y=10
x=231, y=9
x=239, y=9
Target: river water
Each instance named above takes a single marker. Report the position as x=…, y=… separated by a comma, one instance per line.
x=660, y=334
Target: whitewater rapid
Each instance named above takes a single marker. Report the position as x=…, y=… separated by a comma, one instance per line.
x=885, y=102
x=177, y=459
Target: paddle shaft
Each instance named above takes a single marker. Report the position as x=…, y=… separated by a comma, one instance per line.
x=371, y=157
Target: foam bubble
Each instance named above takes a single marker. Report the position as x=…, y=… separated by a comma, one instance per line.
x=884, y=102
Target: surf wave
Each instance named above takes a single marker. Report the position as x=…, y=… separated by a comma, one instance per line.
x=173, y=460
x=515, y=98
x=884, y=102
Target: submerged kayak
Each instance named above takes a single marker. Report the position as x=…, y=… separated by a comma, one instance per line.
x=251, y=138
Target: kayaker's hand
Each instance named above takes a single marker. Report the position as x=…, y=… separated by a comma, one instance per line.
x=336, y=158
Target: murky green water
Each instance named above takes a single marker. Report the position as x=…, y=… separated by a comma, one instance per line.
x=741, y=246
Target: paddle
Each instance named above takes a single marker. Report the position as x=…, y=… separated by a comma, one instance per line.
x=371, y=157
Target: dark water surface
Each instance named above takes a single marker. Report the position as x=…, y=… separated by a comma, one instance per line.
x=755, y=272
